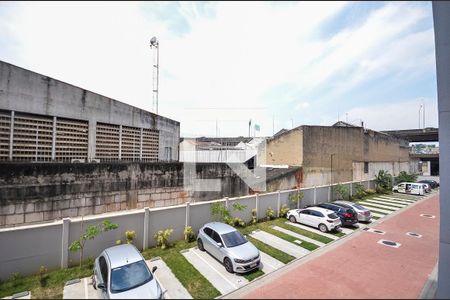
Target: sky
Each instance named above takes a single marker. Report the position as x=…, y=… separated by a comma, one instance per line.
x=222, y=64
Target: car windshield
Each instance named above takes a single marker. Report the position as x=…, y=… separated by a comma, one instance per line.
x=332, y=216
x=130, y=276
x=233, y=239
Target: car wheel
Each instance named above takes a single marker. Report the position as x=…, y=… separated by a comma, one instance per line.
x=228, y=265
x=200, y=245
x=395, y=191
x=323, y=228
x=292, y=219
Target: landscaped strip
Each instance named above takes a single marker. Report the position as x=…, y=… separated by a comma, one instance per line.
x=53, y=287
x=194, y=282
x=252, y=275
x=312, y=235
x=306, y=245
x=274, y=252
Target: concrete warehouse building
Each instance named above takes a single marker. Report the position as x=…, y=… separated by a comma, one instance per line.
x=339, y=153
x=44, y=119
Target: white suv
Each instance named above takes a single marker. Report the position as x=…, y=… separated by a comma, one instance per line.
x=323, y=219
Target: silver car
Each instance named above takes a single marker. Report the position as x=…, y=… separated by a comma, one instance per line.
x=120, y=272
x=363, y=213
x=228, y=246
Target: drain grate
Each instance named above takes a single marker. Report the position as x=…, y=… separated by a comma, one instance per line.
x=413, y=234
x=389, y=243
x=427, y=216
x=377, y=231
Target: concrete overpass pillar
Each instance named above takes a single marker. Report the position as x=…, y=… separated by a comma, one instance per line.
x=441, y=16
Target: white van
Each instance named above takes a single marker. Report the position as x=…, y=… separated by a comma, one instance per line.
x=409, y=188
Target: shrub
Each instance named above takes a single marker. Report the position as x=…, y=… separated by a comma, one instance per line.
x=283, y=211
x=296, y=198
x=43, y=276
x=238, y=222
x=383, y=180
x=130, y=235
x=381, y=190
x=189, y=234
x=370, y=191
x=360, y=191
x=16, y=278
x=91, y=232
x=90, y=262
x=342, y=191
x=162, y=238
x=405, y=177
x=270, y=214
x=219, y=212
x=254, y=216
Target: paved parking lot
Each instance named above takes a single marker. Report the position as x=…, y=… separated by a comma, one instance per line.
x=361, y=266
x=380, y=205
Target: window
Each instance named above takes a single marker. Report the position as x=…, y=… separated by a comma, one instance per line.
x=305, y=212
x=208, y=231
x=130, y=276
x=316, y=214
x=103, y=269
x=233, y=239
x=333, y=216
x=366, y=167
x=216, y=237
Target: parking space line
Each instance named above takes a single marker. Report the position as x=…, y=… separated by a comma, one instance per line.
x=279, y=243
x=377, y=210
x=398, y=199
x=269, y=264
x=404, y=203
x=377, y=215
x=85, y=289
x=310, y=229
x=376, y=206
x=381, y=202
x=346, y=230
x=169, y=283
x=299, y=236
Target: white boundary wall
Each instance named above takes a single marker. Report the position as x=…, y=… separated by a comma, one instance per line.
x=24, y=249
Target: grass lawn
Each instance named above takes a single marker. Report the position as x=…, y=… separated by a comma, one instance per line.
x=274, y=252
x=194, y=282
x=282, y=223
x=53, y=288
x=252, y=275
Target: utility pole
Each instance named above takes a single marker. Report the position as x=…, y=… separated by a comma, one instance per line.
x=423, y=116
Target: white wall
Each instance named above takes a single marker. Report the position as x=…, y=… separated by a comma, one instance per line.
x=24, y=249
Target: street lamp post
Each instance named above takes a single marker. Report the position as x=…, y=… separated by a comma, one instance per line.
x=155, y=43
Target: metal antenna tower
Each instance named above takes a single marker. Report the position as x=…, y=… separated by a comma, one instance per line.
x=154, y=43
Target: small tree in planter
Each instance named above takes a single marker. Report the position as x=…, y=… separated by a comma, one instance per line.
x=162, y=238
x=296, y=198
x=189, y=235
x=283, y=211
x=91, y=232
x=342, y=191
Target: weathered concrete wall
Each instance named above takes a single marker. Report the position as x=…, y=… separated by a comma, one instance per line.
x=286, y=149
x=333, y=154
x=48, y=191
x=26, y=91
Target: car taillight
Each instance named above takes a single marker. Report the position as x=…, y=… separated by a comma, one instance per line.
x=348, y=215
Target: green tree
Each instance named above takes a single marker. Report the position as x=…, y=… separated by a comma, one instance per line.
x=296, y=198
x=89, y=234
x=342, y=191
x=405, y=177
x=383, y=180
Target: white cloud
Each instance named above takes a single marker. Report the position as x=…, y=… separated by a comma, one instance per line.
x=224, y=66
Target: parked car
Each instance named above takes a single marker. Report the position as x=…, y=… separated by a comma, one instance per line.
x=323, y=219
x=228, y=246
x=434, y=184
x=120, y=272
x=409, y=188
x=347, y=215
x=363, y=214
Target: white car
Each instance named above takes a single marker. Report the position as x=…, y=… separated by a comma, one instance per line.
x=323, y=219
x=409, y=188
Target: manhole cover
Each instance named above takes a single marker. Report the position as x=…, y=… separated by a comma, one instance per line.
x=366, y=229
x=389, y=243
x=378, y=231
x=413, y=234
x=374, y=231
